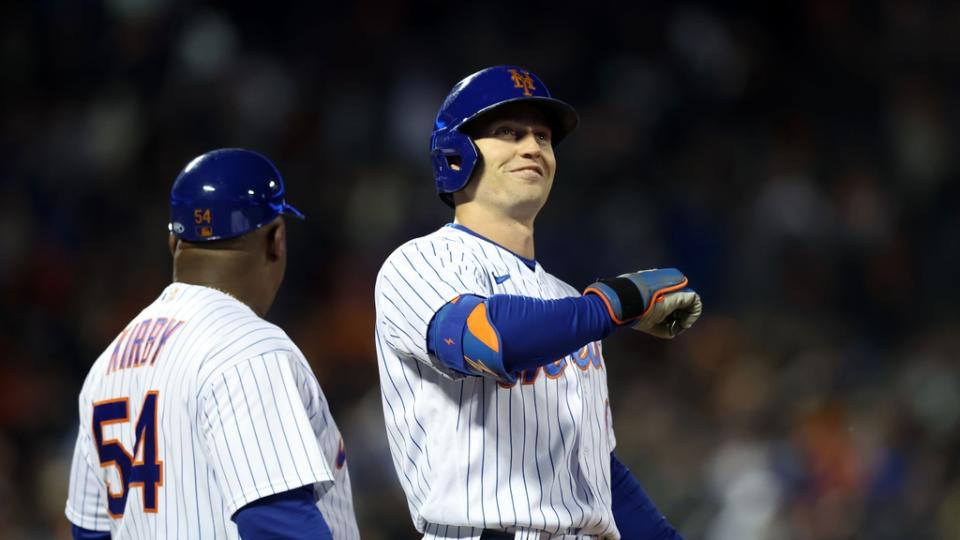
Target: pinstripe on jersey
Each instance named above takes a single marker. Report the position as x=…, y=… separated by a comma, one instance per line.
x=240, y=416
x=469, y=452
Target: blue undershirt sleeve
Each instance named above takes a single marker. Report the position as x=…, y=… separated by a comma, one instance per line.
x=79, y=533
x=536, y=332
x=634, y=512
x=291, y=514
x=503, y=334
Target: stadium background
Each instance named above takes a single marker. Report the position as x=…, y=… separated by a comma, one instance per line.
x=798, y=162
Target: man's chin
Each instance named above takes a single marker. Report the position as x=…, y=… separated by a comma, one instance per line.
x=529, y=200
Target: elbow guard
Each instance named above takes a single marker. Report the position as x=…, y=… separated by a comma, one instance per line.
x=465, y=340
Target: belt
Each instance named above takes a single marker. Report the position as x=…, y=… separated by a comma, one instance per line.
x=490, y=534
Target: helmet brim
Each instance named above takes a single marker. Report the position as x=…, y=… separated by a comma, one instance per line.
x=562, y=116
x=289, y=210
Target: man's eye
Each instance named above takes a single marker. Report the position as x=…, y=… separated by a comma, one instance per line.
x=543, y=137
x=504, y=131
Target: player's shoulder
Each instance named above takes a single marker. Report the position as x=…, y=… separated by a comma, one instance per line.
x=121, y=337
x=223, y=327
x=249, y=339
x=444, y=237
x=249, y=334
x=563, y=288
x=425, y=250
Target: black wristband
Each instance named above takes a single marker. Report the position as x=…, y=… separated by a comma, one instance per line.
x=632, y=303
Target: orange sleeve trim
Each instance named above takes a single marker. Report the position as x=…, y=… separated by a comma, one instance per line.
x=606, y=302
x=658, y=296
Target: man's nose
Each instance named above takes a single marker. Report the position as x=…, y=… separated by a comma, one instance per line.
x=529, y=145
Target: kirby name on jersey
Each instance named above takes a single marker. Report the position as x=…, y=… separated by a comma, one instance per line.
x=139, y=344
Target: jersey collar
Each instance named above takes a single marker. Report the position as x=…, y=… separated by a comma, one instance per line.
x=531, y=263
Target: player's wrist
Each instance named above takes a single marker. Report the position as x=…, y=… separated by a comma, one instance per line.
x=657, y=301
x=623, y=301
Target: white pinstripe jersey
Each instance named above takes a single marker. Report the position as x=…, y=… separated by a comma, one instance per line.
x=470, y=453
x=197, y=408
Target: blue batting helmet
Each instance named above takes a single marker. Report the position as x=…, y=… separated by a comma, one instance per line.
x=481, y=92
x=226, y=193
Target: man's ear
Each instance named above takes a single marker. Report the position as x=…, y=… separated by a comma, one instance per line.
x=276, y=240
x=172, y=242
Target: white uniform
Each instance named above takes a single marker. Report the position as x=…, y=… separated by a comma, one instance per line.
x=533, y=458
x=197, y=408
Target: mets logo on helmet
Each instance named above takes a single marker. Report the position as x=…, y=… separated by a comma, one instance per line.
x=522, y=79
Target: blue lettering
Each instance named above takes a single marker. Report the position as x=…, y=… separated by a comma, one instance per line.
x=585, y=357
x=555, y=369
x=132, y=353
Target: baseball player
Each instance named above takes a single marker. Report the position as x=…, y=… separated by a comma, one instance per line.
x=201, y=419
x=491, y=369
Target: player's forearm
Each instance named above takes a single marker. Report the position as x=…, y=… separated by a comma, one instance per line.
x=508, y=333
x=635, y=514
x=536, y=332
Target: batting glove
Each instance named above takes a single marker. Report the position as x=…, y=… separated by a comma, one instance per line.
x=657, y=301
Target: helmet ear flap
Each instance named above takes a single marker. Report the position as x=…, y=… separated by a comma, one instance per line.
x=454, y=157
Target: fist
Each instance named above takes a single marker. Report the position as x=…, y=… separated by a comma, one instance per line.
x=658, y=302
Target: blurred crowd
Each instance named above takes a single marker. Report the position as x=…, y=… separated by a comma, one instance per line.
x=798, y=161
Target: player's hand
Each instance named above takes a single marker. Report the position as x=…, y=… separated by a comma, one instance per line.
x=657, y=302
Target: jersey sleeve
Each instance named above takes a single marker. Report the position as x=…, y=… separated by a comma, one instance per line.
x=86, y=495
x=256, y=430
x=415, y=282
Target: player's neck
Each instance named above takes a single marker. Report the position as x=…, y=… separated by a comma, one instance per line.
x=229, y=279
x=511, y=233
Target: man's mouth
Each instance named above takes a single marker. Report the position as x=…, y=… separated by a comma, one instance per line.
x=528, y=170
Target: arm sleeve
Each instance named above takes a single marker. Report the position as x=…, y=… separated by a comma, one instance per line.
x=634, y=512
x=503, y=334
x=291, y=514
x=256, y=431
x=86, y=496
x=79, y=533
x=416, y=281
